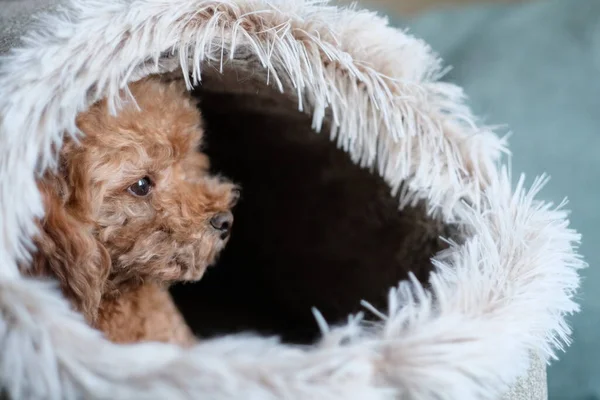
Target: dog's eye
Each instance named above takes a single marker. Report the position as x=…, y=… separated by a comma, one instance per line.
x=141, y=188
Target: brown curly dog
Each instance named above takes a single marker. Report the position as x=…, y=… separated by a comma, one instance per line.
x=131, y=210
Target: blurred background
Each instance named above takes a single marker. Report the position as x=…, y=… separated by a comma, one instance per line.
x=534, y=67
x=407, y=7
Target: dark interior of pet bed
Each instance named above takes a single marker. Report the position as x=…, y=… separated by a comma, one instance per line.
x=312, y=229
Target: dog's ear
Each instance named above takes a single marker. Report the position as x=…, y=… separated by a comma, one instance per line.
x=66, y=246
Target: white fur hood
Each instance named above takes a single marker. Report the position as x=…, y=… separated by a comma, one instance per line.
x=495, y=299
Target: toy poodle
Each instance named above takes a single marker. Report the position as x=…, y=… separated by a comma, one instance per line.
x=132, y=209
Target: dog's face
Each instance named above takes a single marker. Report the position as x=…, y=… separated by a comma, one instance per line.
x=139, y=186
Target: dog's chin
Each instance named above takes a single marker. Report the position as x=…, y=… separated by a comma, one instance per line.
x=194, y=271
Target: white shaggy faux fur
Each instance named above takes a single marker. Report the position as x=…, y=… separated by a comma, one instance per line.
x=496, y=298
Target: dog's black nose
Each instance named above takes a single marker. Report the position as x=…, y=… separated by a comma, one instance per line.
x=222, y=222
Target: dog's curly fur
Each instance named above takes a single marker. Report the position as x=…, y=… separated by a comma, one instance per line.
x=115, y=251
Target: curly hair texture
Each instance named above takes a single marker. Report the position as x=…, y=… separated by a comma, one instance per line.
x=132, y=209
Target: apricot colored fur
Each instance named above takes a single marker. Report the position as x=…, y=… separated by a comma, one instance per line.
x=114, y=253
x=145, y=313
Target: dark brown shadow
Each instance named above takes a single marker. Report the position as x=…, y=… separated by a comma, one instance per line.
x=312, y=229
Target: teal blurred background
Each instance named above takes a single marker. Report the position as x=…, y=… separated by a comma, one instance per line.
x=535, y=67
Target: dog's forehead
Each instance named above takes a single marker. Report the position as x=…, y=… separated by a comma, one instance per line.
x=145, y=128
x=162, y=127
x=119, y=156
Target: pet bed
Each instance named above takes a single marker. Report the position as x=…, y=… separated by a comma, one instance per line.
x=364, y=175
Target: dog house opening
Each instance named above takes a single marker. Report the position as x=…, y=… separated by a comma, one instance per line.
x=312, y=229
